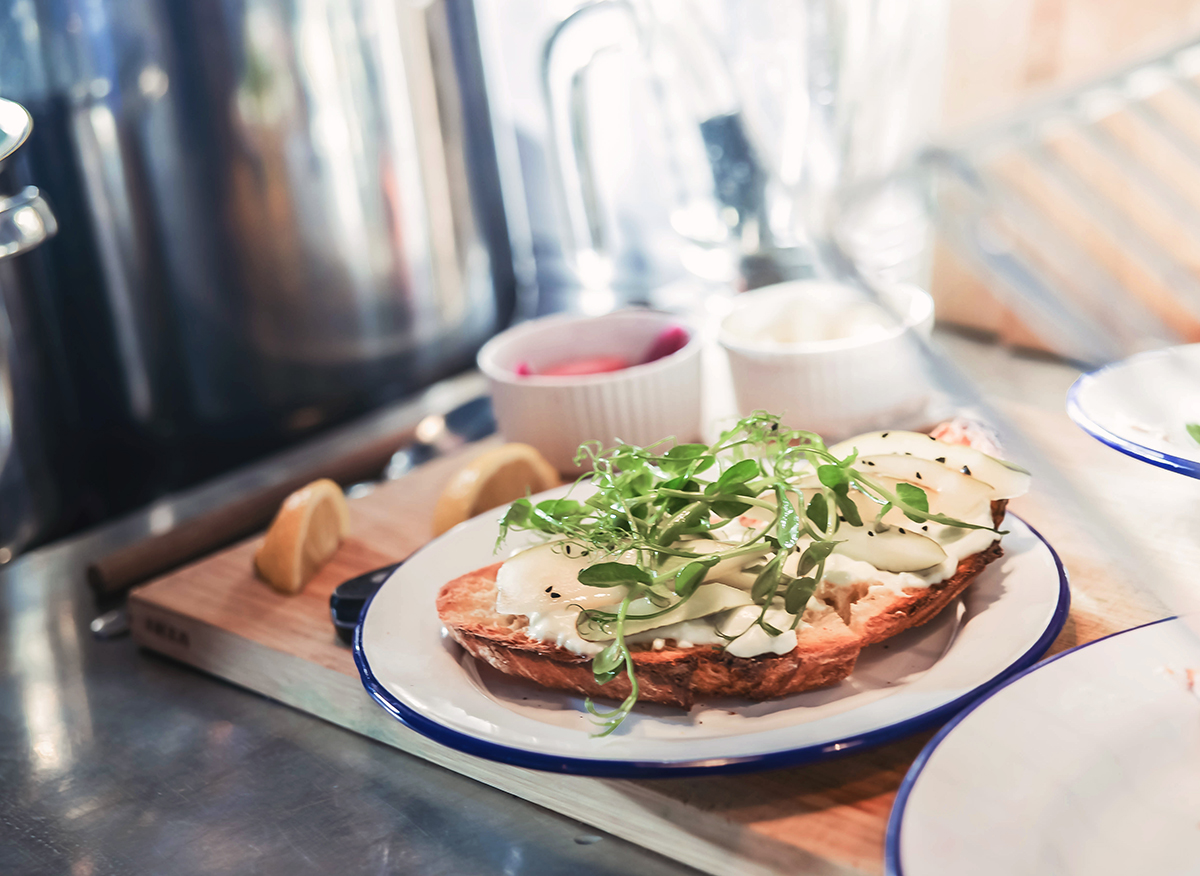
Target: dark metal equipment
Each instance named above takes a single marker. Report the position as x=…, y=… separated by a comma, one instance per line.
x=272, y=217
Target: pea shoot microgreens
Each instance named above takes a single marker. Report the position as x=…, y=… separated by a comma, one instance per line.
x=651, y=506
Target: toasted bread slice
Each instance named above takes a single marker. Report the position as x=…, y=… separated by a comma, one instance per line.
x=876, y=614
x=824, y=655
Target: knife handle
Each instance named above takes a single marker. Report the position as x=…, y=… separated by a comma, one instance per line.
x=191, y=539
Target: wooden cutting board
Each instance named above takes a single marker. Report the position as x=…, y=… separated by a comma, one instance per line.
x=820, y=818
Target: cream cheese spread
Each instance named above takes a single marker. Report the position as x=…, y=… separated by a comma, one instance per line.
x=542, y=582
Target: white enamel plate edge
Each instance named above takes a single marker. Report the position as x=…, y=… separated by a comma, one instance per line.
x=1010, y=616
x=1088, y=763
x=1141, y=407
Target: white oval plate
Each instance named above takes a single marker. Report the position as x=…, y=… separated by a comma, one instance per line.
x=1086, y=764
x=1141, y=406
x=1005, y=621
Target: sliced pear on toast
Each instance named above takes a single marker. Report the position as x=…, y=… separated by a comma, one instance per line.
x=1006, y=479
x=895, y=549
x=949, y=491
x=708, y=599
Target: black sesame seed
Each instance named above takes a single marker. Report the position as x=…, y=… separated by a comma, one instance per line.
x=869, y=462
x=548, y=589
x=556, y=596
x=931, y=438
x=925, y=528
x=871, y=534
x=940, y=459
x=902, y=532
x=966, y=470
x=919, y=477
x=885, y=434
x=841, y=518
x=906, y=453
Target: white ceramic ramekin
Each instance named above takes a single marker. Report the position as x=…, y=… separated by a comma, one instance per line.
x=835, y=387
x=641, y=404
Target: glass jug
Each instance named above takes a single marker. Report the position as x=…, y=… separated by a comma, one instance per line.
x=716, y=185
x=767, y=114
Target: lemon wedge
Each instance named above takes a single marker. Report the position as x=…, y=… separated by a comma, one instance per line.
x=491, y=479
x=305, y=533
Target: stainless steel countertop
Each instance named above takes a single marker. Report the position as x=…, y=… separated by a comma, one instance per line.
x=117, y=761
x=114, y=760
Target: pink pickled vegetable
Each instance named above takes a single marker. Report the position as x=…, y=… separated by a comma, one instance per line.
x=670, y=340
x=589, y=365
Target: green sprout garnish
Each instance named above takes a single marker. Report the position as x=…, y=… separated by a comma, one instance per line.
x=651, y=504
x=1193, y=429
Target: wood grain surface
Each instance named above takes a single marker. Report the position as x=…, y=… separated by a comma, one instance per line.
x=821, y=818
x=1003, y=54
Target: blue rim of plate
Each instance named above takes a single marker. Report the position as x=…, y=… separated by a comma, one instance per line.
x=1076, y=412
x=612, y=769
x=891, y=845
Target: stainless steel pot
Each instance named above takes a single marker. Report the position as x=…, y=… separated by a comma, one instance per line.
x=27, y=496
x=25, y=218
x=274, y=214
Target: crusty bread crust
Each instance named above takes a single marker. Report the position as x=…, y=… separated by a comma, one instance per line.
x=825, y=652
x=824, y=655
x=879, y=615
x=876, y=616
